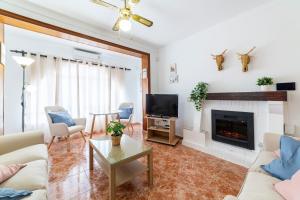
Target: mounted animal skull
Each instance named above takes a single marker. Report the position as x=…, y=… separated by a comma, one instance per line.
x=219, y=59
x=245, y=59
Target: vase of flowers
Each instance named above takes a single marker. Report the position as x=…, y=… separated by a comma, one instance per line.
x=265, y=83
x=115, y=128
x=197, y=96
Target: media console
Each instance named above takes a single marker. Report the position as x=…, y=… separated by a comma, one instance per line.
x=162, y=130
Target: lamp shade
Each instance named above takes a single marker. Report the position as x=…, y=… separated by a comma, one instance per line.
x=25, y=61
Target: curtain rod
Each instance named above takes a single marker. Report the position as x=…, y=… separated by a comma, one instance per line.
x=65, y=59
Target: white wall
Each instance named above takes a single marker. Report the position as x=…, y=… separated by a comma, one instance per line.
x=38, y=44
x=273, y=28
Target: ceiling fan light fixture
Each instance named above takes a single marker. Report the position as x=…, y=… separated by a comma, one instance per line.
x=125, y=25
x=133, y=2
x=126, y=15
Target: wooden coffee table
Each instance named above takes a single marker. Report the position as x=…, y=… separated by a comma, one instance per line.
x=120, y=163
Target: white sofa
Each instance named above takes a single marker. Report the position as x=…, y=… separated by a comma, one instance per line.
x=258, y=184
x=26, y=148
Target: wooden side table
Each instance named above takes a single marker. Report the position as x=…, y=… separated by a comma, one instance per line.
x=106, y=114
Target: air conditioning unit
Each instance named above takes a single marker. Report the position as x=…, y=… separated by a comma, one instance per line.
x=86, y=55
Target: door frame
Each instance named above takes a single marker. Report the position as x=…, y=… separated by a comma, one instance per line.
x=34, y=25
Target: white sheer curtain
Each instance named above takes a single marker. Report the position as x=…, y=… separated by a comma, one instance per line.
x=117, y=87
x=40, y=91
x=79, y=88
x=94, y=92
x=67, y=86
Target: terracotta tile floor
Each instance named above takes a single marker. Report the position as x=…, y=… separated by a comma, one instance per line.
x=180, y=173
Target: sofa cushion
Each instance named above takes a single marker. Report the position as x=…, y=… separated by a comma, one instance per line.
x=24, y=155
x=289, y=189
x=259, y=186
x=263, y=158
x=289, y=161
x=9, y=193
x=32, y=177
x=62, y=117
x=37, y=195
x=7, y=171
x=277, y=153
x=125, y=113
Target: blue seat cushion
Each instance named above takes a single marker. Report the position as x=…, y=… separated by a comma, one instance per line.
x=289, y=162
x=125, y=113
x=62, y=117
x=8, y=193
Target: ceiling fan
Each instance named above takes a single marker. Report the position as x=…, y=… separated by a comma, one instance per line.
x=125, y=14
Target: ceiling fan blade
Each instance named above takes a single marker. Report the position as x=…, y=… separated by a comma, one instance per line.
x=142, y=20
x=105, y=4
x=116, y=27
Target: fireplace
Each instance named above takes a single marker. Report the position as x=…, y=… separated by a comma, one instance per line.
x=235, y=128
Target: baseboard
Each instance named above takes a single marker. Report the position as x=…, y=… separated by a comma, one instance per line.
x=192, y=145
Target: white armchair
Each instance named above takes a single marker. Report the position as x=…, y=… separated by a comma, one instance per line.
x=61, y=129
x=127, y=121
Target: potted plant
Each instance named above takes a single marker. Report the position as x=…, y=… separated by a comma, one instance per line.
x=265, y=83
x=197, y=96
x=116, y=130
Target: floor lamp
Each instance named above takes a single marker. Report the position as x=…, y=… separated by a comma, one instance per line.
x=24, y=62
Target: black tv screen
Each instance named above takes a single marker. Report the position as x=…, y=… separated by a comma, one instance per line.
x=162, y=105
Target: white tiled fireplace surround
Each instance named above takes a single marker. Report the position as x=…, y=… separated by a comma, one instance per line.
x=268, y=117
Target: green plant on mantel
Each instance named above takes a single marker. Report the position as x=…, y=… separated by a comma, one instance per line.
x=198, y=95
x=264, y=81
x=116, y=128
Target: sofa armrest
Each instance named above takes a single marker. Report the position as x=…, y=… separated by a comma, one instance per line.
x=12, y=142
x=80, y=121
x=271, y=141
x=230, y=197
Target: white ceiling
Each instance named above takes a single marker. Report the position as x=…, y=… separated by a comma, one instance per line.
x=173, y=19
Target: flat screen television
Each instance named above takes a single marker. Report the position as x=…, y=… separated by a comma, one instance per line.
x=162, y=105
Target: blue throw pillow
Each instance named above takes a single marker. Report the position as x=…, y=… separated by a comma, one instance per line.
x=62, y=117
x=8, y=193
x=288, y=163
x=125, y=113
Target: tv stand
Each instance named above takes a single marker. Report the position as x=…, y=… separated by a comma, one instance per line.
x=156, y=132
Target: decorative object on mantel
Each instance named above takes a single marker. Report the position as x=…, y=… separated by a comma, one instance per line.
x=265, y=83
x=116, y=128
x=197, y=96
x=289, y=86
x=173, y=73
x=219, y=59
x=245, y=59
